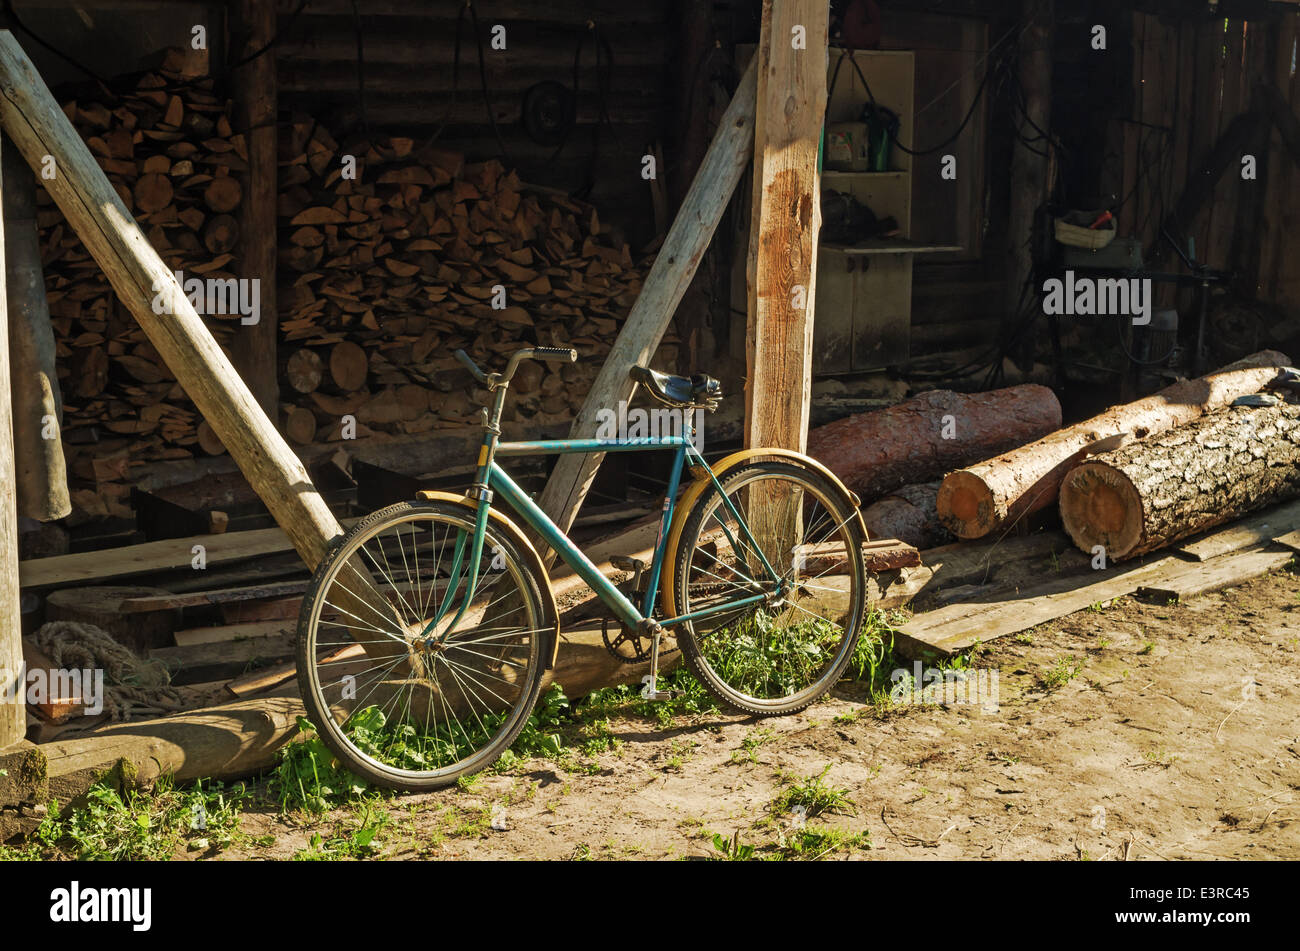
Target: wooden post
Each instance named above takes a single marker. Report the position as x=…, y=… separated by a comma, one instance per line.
x=41, y=471
x=786, y=221
x=1029, y=174
x=13, y=708
x=253, y=347
x=33, y=119
x=673, y=269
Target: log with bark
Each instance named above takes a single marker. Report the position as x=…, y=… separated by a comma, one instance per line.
x=978, y=499
x=931, y=434
x=908, y=514
x=1155, y=491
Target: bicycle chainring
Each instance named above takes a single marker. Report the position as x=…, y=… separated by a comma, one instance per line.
x=627, y=646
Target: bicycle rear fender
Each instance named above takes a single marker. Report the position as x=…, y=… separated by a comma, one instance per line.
x=526, y=550
x=720, y=469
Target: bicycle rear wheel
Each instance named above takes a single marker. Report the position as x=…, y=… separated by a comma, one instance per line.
x=406, y=689
x=780, y=653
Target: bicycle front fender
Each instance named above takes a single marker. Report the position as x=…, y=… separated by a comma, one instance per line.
x=720, y=469
x=526, y=551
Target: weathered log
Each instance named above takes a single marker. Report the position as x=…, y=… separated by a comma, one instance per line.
x=41, y=471
x=974, y=501
x=929, y=435
x=1154, y=491
x=908, y=514
x=242, y=738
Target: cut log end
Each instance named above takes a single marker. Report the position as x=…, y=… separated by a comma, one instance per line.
x=966, y=505
x=1101, y=507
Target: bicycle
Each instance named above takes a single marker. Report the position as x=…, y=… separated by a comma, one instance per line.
x=427, y=630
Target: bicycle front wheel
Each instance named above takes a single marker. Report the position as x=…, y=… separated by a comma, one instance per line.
x=776, y=558
x=406, y=683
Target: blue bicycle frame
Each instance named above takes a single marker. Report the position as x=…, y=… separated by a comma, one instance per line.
x=491, y=480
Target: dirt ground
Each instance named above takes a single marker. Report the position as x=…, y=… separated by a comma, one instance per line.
x=1126, y=732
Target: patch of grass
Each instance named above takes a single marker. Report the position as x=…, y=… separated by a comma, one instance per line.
x=812, y=843
x=143, y=826
x=359, y=843
x=1061, y=673
x=815, y=796
x=731, y=850
x=1147, y=647
x=752, y=743
x=308, y=777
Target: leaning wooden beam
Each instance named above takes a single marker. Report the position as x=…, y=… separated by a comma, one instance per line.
x=33, y=119
x=791, y=105
x=13, y=713
x=675, y=264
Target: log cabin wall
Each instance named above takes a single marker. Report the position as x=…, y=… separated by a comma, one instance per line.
x=390, y=67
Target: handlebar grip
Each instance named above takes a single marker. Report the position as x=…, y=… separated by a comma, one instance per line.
x=469, y=364
x=563, y=354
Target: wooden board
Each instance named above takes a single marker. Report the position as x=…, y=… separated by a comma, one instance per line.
x=1197, y=578
x=1247, y=533
x=166, y=555
x=958, y=627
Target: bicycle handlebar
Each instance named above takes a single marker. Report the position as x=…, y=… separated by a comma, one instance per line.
x=564, y=354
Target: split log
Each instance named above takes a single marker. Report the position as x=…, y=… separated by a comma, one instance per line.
x=908, y=514
x=978, y=499
x=931, y=434
x=304, y=370
x=1155, y=491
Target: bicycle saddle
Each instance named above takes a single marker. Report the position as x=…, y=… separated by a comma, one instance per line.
x=695, y=392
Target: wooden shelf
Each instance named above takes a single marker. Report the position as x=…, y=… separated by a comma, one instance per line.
x=890, y=246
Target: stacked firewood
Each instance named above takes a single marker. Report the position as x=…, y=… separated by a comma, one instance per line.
x=393, y=256
x=168, y=148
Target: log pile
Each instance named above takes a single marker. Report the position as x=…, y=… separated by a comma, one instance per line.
x=974, y=501
x=391, y=257
x=384, y=274
x=170, y=152
x=1153, y=492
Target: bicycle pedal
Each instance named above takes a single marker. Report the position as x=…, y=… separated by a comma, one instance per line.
x=664, y=695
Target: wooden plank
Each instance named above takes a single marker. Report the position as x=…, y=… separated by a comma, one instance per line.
x=168, y=554
x=787, y=219
x=673, y=269
x=224, y=633
x=195, y=599
x=194, y=663
x=13, y=716
x=958, y=627
x=253, y=349
x=1190, y=580
x=1246, y=533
